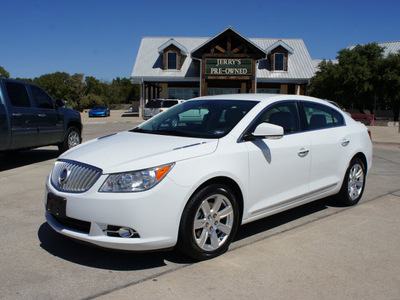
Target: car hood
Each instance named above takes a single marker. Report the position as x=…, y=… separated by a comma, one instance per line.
x=128, y=151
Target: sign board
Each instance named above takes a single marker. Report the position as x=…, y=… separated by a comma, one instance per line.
x=228, y=66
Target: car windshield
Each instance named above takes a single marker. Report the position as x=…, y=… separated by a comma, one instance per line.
x=198, y=118
x=99, y=107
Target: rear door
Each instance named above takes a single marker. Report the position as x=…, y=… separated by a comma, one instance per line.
x=50, y=123
x=23, y=116
x=329, y=141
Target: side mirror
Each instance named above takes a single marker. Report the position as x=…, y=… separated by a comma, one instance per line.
x=266, y=131
x=60, y=103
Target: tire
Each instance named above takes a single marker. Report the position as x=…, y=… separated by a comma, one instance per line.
x=209, y=222
x=72, y=139
x=353, y=183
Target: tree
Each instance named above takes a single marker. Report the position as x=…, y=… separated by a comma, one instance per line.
x=84, y=92
x=354, y=81
x=4, y=73
x=56, y=84
x=389, y=82
x=325, y=83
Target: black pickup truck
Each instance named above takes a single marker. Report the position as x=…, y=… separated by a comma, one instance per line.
x=30, y=118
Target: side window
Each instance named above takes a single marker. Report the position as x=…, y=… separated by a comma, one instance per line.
x=320, y=116
x=337, y=118
x=283, y=114
x=42, y=100
x=17, y=94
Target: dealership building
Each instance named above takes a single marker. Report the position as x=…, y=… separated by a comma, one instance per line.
x=187, y=67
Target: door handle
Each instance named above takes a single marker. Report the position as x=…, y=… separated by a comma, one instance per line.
x=17, y=115
x=41, y=115
x=303, y=152
x=345, y=142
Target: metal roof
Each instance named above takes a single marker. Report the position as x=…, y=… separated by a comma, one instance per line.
x=148, y=65
x=389, y=47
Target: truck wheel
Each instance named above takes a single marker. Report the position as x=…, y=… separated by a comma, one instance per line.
x=72, y=139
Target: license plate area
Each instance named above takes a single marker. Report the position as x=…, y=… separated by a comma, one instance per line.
x=56, y=205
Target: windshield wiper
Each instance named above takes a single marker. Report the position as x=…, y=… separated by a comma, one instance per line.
x=171, y=132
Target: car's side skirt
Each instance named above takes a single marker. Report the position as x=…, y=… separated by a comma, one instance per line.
x=293, y=202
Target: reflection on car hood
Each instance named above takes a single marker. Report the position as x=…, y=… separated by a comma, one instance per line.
x=127, y=151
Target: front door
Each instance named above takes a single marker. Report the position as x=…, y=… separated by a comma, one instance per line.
x=278, y=168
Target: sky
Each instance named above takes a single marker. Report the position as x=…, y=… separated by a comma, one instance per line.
x=101, y=38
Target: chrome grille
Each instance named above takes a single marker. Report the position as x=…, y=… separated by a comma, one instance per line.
x=73, y=177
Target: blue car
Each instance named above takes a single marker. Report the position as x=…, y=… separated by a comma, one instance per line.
x=99, y=111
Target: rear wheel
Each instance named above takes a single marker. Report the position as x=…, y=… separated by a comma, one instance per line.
x=353, y=183
x=72, y=139
x=209, y=222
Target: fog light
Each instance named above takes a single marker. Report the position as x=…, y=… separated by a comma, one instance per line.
x=126, y=232
x=121, y=232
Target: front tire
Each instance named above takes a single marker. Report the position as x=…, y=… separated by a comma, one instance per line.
x=353, y=183
x=72, y=139
x=209, y=222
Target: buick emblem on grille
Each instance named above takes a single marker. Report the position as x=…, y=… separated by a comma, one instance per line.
x=63, y=176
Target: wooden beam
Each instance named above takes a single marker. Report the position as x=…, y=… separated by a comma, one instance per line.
x=237, y=49
x=220, y=49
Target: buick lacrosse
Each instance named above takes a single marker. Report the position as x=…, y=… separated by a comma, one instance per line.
x=190, y=176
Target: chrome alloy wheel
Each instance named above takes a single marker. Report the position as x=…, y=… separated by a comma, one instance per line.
x=356, y=181
x=213, y=222
x=73, y=139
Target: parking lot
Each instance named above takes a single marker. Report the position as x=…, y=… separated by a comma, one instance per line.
x=317, y=251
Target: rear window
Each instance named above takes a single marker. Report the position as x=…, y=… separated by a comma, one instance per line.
x=169, y=103
x=154, y=104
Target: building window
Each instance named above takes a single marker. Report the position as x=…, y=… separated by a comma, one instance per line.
x=222, y=91
x=172, y=60
x=268, y=91
x=183, y=93
x=279, y=58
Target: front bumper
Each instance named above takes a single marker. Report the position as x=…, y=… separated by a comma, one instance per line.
x=97, y=114
x=154, y=214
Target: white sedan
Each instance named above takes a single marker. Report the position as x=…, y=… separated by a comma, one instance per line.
x=177, y=181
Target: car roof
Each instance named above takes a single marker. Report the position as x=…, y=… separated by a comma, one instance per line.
x=265, y=98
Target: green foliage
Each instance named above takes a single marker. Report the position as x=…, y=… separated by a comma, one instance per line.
x=82, y=92
x=4, y=73
x=362, y=78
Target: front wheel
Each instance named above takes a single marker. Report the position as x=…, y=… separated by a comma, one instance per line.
x=353, y=183
x=72, y=139
x=209, y=222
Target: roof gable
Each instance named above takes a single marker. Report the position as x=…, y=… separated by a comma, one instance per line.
x=235, y=42
x=173, y=42
x=277, y=44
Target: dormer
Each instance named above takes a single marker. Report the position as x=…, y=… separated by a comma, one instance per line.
x=278, y=55
x=173, y=54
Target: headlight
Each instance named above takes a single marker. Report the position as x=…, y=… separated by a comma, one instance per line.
x=136, y=181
